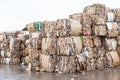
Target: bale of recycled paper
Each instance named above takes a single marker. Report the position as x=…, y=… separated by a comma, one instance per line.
x=30, y=27
x=86, y=18
x=48, y=62
x=38, y=26
x=2, y=53
x=87, y=30
x=115, y=58
x=20, y=36
x=118, y=40
x=95, y=9
x=76, y=16
x=100, y=30
x=98, y=20
x=66, y=64
x=69, y=27
x=88, y=41
x=118, y=28
x=110, y=44
x=97, y=41
x=88, y=52
x=1, y=37
x=110, y=16
x=69, y=46
x=36, y=35
x=49, y=29
x=117, y=15
x=118, y=50
x=112, y=29
x=81, y=58
x=49, y=45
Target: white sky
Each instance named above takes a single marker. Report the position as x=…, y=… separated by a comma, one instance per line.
x=15, y=14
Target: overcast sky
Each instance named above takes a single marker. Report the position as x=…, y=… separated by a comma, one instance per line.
x=15, y=14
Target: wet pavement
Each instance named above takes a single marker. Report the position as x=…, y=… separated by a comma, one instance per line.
x=12, y=72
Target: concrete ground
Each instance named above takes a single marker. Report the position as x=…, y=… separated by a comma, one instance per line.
x=12, y=72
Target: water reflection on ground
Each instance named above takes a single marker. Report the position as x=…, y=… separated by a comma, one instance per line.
x=12, y=72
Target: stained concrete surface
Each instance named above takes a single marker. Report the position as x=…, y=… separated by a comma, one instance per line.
x=13, y=72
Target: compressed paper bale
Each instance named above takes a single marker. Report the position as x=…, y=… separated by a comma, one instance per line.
x=2, y=53
x=87, y=30
x=117, y=15
x=115, y=58
x=49, y=45
x=38, y=26
x=100, y=30
x=76, y=16
x=111, y=16
x=69, y=46
x=118, y=50
x=97, y=41
x=99, y=20
x=35, y=35
x=86, y=19
x=95, y=9
x=119, y=28
x=110, y=44
x=118, y=40
x=76, y=27
x=81, y=61
x=68, y=27
x=30, y=27
x=1, y=37
x=48, y=62
x=50, y=29
x=88, y=41
x=88, y=52
x=112, y=29
x=8, y=54
x=66, y=64
x=20, y=36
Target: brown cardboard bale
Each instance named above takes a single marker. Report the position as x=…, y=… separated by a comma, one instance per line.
x=82, y=61
x=2, y=53
x=86, y=19
x=117, y=16
x=97, y=41
x=99, y=58
x=20, y=36
x=118, y=50
x=48, y=62
x=112, y=29
x=1, y=37
x=118, y=40
x=110, y=44
x=66, y=64
x=115, y=58
x=69, y=46
x=69, y=27
x=110, y=16
x=87, y=22
x=119, y=28
x=99, y=20
x=76, y=16
x=30, y=27
x=95, y=9
x=88, y=52
x=49, y=45
x=87, y=30
x=100, y=30
x=50, y=29
x=8, y=54
x=88, y=41
x=76, y=27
